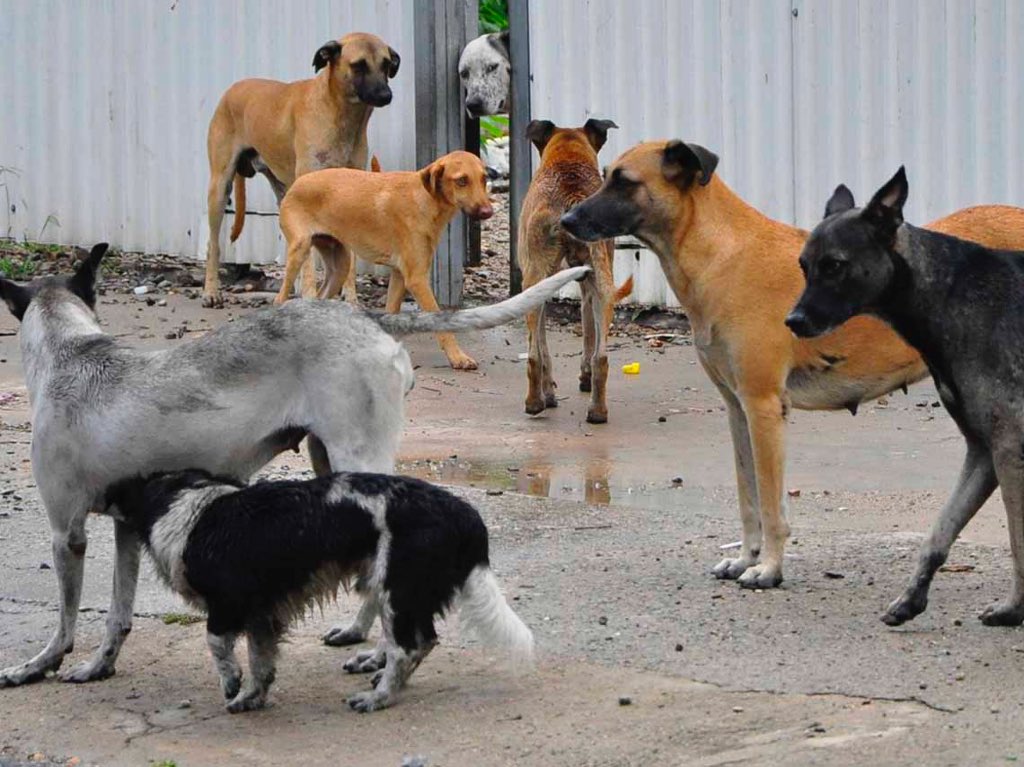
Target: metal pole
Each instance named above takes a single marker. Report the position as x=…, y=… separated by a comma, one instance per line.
x=519, y=117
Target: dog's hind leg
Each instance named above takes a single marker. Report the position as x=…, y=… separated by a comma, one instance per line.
x=119, y=619
x=298, y=254
x=600, y=320
x=1010, y=471
x=263, y=636
x=222, y=650
x=370, y=660
x=69, y=542
x=976, y=483
x=746, y=482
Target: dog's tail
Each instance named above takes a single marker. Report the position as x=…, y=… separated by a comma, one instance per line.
x=623, y=290
x=239, y=222
x=484, y=611
x=406, y=323
x=374, y=164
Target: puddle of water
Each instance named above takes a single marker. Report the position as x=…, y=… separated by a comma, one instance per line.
x=592, y=481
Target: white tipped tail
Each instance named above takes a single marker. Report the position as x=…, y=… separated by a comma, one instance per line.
x=483, y=317
x=483, y=610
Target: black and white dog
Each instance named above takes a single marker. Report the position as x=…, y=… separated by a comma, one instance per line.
x=486, y=74
x=256, y=558
x=958, y=304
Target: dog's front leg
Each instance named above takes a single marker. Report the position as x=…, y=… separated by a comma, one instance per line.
x=976, y=483
x=746, y=484
x=69, y=544
x=119, y=619
x=765, y=423
x=1010, y=472
x=419, y=285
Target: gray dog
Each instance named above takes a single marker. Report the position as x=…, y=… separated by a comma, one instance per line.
x=227, y=402
x=485, y=71
x=958, y=304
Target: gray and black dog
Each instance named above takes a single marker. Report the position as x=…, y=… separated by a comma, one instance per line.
x=958, y=304
x=227, y=402
x=486, y=74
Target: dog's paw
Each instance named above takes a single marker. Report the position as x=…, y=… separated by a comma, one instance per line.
x=213, y=300
x=26, y=673
x=366, y=662
x=247, y=701
x=365, y=702
x=550, y=400
x=462, y=361
x=730, y=569
x=92, y=670
x=597, y=415
x=534, y=406
x=1003, y=614
x=585, y=382
x=905, y=607
x=342, y=637
x=762, y=576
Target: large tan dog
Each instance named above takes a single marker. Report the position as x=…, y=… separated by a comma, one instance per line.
x=568, y=174
x=393, y=219
x=283, y=130
x=736, y=273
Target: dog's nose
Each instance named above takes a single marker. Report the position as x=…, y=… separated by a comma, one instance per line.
x=384, y=98
x=484, y=212
x=570, y=222
x=799, y=323
x=475, y=106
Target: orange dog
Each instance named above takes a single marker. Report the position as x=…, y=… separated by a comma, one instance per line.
x=568, y=173
x=392, y=219
x=735, y=272
x=283, y=130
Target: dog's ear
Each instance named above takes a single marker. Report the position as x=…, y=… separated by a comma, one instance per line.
x=326, y=54
x=83, y=282
x=840, y=201
x=501, y=41
x=17, y=297
x=539, y=132
x=597, y=132
x=432, y=177
x=395, y=61
x=885, y=211
x=683, y=163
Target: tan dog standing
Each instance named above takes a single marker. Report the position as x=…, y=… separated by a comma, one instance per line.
x=736, y=273
x=283, y=130
x=568, y=174
x=393, y=219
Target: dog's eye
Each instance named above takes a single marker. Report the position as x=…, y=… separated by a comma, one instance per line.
x=492, y=67
x=464, y=73
x=461, y=181
x=830, y=267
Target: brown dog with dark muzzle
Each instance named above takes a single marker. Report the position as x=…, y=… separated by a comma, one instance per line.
x=283, y=130
x=393, y=219
x=735, y=272
x=567, y=175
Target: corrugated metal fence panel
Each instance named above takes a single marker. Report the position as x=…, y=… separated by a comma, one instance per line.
x=109, y=103
x=797, y=96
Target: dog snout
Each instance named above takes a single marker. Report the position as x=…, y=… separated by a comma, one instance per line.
x=483, y=212
x=382, y=97
x=800, y=323
x=574, y=224
x=475, y=106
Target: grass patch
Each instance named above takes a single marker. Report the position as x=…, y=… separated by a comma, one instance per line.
x=16, y=267
x=181, y=619
x=165, y=763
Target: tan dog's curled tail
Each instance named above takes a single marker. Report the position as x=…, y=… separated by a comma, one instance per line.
x=481, y=318
x=623, y=290
x=374, y=164
x=239, y=222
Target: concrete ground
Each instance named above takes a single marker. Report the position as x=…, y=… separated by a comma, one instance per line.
x=644, y=657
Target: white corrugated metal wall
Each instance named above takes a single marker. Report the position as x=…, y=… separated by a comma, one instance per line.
x=107, y=104
x=797, y=96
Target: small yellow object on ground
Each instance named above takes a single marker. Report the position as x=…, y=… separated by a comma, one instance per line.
x=632, y=369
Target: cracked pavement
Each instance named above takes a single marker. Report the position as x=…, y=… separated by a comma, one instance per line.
x=608, y=560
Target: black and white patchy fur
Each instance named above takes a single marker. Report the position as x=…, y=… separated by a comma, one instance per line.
x=228, y=401
x=486, y=74
x=959, y=304
x=257, y=558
